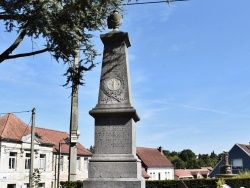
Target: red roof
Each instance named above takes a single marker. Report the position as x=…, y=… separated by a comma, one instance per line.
x=151, y=157
x=12, y=128
x=202, y=171
x=182, y=173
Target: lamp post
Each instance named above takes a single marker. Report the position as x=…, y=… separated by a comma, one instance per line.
x=59, y=160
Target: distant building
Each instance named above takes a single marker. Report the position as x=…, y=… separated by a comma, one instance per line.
x=182, y=174
x=238, y=158
x=201, y=173
x=192, y=173
x=155, y=164
x=15, y=139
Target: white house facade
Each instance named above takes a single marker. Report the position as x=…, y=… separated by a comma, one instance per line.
x=157, y=173
x=155, y=163
x=49, y=146
x=15, y=164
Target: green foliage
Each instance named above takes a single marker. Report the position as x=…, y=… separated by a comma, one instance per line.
x=188, y=159
x=220, y=182
x=187, y=155
x=36, y=178
x=177, y=162
x=200, y=183
x=206, y=160
x=238, y=182
x=243, y=174
x=92, y=149
x=163, y=184
x=66, y=27
x=71, y=184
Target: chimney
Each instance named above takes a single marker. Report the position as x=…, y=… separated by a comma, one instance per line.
x=160, y=149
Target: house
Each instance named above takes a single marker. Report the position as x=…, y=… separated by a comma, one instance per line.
x=203, y=172
x=155, y=165
x=15, y=142
x=182, y=174
x=238, y=158
x=192, y=173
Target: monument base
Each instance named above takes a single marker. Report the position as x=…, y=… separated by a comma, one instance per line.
x=225, y=175
x=113, y=183
x=114, y=171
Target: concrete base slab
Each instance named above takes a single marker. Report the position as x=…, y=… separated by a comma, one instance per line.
x=113, y=183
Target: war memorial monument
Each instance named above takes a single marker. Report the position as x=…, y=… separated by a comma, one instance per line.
x=114, y=163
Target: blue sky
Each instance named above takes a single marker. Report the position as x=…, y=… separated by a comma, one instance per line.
x=190, y=76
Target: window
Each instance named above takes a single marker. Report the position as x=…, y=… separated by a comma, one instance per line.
x=27, y=161
x=85, y=163
x=237, y=164
x=53, y=162
x=61, y=163
x=78, y=164
x=11, y=186
x=150, y=176
x=26, y=185
x=12, y=161
x=41, y=185
x=154, y=176
x=42, y=162
x=167, y=175
x=68, y=163
x=159, y=176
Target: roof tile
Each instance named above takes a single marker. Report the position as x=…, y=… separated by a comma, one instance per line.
x=12, y=128
x=153, y=157
x=182, y=173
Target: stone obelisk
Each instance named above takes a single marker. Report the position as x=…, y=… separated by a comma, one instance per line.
x=114, y=163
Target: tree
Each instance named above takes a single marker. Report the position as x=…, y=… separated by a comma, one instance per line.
x=192, y=164
x=177, y=162
x=92, y=149
x=188, y=159
x=187, y=155
x=174, y=159
x=64, y=25
x=36, y=178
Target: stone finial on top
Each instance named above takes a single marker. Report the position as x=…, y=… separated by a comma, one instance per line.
x=114, y=21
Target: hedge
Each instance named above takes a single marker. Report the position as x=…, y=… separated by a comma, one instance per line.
x=199, y=183
x=192, y=183
x=71, y=184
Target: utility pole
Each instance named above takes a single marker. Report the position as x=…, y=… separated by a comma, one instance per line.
x=74, y=121
x=58, y=166
x=32, y=148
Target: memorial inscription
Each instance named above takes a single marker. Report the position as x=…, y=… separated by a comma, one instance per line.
x=113, y=135
x=113, y=139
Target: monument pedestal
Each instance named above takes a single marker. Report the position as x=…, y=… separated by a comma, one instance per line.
x=114, y=163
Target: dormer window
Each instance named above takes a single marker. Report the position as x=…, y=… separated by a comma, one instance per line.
x=38, y=136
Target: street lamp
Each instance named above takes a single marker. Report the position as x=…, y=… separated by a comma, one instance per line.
x=66, y=140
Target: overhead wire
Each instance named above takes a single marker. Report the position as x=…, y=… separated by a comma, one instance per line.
x=15, y=112
x=152, y=2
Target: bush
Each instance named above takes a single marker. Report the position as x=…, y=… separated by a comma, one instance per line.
x=243, y=174
x=200, y=183
x=71, y=184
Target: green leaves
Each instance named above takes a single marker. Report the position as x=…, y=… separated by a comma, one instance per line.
x=63, y=24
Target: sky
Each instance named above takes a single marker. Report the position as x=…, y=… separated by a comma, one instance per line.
x=190, y=76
